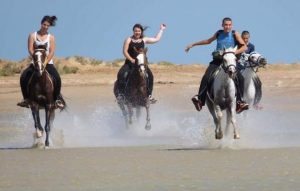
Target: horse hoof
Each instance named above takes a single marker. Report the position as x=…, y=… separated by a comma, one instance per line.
x=219, y=135
x=39, y=133
x=148, y=127
x=37, y=145
x=236, y=136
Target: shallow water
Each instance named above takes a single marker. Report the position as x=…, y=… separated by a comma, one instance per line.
x=93, y=119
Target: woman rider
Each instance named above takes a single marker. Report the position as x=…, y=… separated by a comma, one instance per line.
x=136, y=41
x=226, y=38
x=35, y=40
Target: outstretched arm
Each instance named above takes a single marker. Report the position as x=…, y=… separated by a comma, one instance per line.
x=151, y=40
x=202, y=42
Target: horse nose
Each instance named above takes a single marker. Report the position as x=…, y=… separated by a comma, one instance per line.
x=231, y=69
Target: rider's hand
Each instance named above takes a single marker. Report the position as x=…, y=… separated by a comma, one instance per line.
x=163, y=26
x=133, y=61
x=188, y=48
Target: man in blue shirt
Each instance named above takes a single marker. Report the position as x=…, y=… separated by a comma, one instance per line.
x=246, y=38
x=225, y=38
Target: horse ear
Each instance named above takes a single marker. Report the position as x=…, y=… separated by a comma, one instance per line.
x=146, y=50
x=134, y=48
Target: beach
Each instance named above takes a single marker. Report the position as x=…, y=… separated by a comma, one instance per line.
x=90, y=148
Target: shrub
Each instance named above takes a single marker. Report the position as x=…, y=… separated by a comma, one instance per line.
x=10, y=68
x=165, y=63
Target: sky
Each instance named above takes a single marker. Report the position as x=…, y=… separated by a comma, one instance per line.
x=98, y=28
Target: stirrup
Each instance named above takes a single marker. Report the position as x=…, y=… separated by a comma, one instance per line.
x=23, y=103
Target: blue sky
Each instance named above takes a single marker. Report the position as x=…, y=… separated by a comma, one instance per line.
x=97, y=28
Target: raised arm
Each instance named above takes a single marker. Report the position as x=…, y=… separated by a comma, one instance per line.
x=202, y=42
x=151, y=40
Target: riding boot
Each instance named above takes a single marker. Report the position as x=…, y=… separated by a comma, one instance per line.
x=60, y=103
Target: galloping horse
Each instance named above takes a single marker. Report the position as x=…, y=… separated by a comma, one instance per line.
x=222, y=94
x=252, y=85
x=40, y=90
x=136, y=95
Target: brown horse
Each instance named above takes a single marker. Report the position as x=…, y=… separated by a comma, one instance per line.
x=136, y=95
x=41, y=90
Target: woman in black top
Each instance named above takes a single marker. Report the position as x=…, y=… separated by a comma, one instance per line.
x=137, y=40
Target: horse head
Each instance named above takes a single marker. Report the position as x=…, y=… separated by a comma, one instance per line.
x=257, y=60
x=229, y=61
x=39, y=57
x=142, y=60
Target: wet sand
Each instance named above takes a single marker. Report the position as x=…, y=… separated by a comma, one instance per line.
x=91, y=150
x=150, y=168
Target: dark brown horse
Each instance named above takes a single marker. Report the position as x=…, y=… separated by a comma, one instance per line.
x=136, y=95
x=41, y=90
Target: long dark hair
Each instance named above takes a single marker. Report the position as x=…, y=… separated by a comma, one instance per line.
x=140, y=27
x=49, y=19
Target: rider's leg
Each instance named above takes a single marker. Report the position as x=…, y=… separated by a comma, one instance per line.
x=24, y=80
x=59, y=101
x=122, y=79
x=199, y=100
x=150, y=86
x=241, y=105
x=53, y=72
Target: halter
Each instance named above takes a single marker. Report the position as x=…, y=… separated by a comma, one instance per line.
x=252, y=64
x=141, y=59
x=42, y=51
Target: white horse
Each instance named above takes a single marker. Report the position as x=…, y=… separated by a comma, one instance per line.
x=250, y=63
x=222, y=94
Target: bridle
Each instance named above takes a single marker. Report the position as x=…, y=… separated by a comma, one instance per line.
x=141, y=62
x=254, y=65
x=224, y=65
x=39, y=52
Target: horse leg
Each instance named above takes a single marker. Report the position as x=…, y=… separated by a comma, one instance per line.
x=148, y=124
x=228, y=121
x=37, y=122
x=124, y=112
x=130, y=113
x=217, y=120
x=231, y=118
x=49, y=113
x=138, y=112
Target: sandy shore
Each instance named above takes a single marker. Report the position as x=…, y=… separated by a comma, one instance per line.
x=148, y=168
x=91, y=150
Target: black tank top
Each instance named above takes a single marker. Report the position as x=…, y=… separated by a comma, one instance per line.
x=137, y=45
